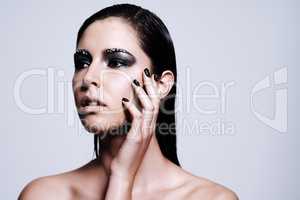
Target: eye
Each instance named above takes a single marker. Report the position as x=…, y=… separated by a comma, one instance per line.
x=82, y=59
x=116, y=63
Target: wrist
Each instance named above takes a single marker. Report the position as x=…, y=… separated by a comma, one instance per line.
x=121, y=177
x=121, y=173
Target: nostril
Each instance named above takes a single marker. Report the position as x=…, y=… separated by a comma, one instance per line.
x=88, y=81
x=95, y=84
x=86, y=102
x=84, y=88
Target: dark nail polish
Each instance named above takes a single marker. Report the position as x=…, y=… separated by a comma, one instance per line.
x=136, y=82
x=125, y=99
x=147, y=72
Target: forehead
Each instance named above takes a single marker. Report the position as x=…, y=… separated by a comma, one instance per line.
x=111, y=32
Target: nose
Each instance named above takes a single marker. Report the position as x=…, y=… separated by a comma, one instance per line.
x=92, y=77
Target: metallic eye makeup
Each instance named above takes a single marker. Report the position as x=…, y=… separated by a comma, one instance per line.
x=116, y=57
x=82, y=58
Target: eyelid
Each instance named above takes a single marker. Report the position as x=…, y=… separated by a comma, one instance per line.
x=82, y=57
x=121, y=57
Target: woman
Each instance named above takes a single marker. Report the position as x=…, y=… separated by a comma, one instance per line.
x=124, y=89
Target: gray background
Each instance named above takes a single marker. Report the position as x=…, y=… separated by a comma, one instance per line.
x=215, y=41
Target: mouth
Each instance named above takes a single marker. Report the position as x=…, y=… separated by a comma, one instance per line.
x=90, y=105
x=83, y=110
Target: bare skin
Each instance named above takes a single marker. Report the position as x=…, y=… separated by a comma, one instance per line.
x=131, y=166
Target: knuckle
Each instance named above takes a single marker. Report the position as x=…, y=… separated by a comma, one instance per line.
x=149, y=109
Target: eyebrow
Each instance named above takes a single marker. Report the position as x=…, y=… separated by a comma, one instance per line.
x=117, y=50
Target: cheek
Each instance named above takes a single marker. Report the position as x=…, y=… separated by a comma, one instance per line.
x=76, y=84
x=118, y=86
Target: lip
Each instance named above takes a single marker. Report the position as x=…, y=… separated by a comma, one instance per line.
x=83, y=110
x=86, y=100
x=90, y=105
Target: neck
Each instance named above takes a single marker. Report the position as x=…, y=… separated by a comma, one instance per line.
x=153, y=163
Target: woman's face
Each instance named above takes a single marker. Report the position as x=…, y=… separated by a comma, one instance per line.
x=110, y=58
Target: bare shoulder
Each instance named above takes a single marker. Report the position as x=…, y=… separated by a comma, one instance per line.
x=47, y=187
x=202, y=188
x=208, y=189
x=78, y=183
x=213, y=191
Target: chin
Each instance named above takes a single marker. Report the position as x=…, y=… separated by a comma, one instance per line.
x=100, y=125
x=93, y=123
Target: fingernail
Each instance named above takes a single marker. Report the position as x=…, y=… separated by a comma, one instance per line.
x=147, y=72
x=136, y=82
x=125, y=99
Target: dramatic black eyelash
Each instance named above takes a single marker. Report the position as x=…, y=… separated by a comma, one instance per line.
x=116, y=58
x=82, y=57
x=116, y=62
x=114, y=50
x=119, y=57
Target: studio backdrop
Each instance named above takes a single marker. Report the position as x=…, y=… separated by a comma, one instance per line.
x=237, y=92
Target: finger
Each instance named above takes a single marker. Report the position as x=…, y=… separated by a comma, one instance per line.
x=151, y=88
x=142, y=96
x=155, y=81
x=136, y=123
x=148, y=108
x=156, y=100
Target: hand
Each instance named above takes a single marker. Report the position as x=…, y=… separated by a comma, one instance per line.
x=131, y=153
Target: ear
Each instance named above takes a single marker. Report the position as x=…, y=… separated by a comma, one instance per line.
x=165, y=83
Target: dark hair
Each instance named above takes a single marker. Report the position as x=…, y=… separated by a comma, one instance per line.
x=156, y=42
